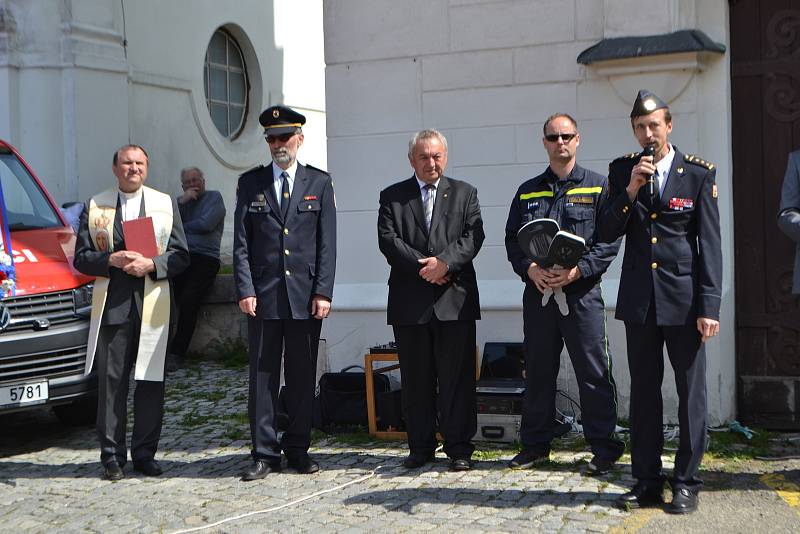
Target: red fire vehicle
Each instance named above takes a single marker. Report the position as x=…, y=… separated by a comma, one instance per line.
x=43, y=326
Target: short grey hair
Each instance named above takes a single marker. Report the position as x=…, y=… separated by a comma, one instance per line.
x=421, y=135
x=190, y=169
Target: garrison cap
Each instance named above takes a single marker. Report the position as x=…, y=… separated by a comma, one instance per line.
x=646, y=103
x=279, y=120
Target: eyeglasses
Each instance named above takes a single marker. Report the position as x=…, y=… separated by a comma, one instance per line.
x=567, y=137
x=282, y=138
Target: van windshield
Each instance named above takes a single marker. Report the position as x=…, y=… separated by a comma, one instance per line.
x=26, y=206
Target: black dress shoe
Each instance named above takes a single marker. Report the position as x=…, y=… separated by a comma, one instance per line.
x=415, y=460
x=260, y=469
x=684, y=501
x=147, y=467
x=113, y=471
x=460, y=464
x=642, y=496
x=303, y=464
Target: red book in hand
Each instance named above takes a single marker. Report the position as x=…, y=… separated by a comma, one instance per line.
x=140, y=236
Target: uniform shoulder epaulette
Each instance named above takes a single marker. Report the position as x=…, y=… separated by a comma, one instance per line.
x=254, y=169
x=691, y=158
x=626, y=157
x=317, y=169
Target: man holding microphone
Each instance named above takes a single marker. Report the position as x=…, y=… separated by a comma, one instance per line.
x=670, y=292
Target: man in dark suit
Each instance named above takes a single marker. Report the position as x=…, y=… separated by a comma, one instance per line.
x=430, y=229
x=789, y=214
x=284, y=259
x=670, y=292
x=128, y=322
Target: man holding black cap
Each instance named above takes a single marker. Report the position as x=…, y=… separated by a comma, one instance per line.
x=669, y=293
x=573, y=196
x=284, y=259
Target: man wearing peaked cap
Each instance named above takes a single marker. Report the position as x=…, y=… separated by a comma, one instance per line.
x=284, y=259
x=669, y=293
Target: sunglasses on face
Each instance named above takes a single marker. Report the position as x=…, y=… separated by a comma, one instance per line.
x=567, y=137
x=282, y=138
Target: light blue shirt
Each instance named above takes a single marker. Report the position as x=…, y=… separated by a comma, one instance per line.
x=277, y=181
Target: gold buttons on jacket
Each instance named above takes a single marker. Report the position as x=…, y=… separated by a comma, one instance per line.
x=654, y=240
x=654, y=266
x=286, y=251
x=625, y=209
x=285, y=231
x=654, y=215
x=288, y=272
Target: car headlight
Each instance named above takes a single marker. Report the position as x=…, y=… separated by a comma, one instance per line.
x=82, y=300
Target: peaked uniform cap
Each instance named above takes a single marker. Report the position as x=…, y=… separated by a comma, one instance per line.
x=279, y=120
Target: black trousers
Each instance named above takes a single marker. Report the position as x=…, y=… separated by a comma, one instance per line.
x=584, y=332
x=443, y=353
x=687, y=354
x=115, y=356
x=297, y=341
x=191, y=287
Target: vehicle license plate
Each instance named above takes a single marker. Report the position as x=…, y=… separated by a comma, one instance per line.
x=27, y=393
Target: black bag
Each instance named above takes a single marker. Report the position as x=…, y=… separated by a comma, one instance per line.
x=343, y=396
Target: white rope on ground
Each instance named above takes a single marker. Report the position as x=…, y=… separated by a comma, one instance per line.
x=282, y=506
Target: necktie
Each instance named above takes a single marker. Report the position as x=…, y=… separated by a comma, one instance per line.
x=285, y=193
x=431, y=191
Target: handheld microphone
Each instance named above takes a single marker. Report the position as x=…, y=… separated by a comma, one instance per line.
x=650, y=150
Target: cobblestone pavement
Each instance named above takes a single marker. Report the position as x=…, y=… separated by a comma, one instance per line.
x=50, y=480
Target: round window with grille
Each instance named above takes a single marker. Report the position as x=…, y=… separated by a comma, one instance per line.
x=225, y=84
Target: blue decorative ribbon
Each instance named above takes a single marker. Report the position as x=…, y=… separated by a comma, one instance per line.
x=7, y=289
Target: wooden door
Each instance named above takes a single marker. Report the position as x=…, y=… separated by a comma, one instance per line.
x=765, y=80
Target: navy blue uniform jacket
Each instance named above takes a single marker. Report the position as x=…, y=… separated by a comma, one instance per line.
x=455, y=237
x=575, y=206
x=283, y=263
x=672, y=248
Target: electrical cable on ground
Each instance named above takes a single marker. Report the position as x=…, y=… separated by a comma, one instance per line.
x=368, y=476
